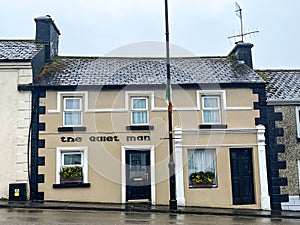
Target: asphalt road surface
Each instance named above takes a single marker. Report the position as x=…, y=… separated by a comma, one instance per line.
x=58, y=217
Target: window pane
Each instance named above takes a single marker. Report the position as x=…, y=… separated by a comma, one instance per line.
x=72, y=118
x=139, y=104
x=201, y=160
x=211, y=116
x=139, y=117
x=72, y=159
x=211, y=102
x=73, y=103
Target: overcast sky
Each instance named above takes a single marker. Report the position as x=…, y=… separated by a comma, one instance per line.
x=99, y=27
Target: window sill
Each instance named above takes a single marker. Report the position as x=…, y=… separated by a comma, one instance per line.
x=72, y=185
x=63, y=129
x=137, y=127
x=213, y=126
x=203, y=186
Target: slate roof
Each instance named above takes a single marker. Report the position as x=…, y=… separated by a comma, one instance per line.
x=18, y=50
x=282, y=85
x=136, y=71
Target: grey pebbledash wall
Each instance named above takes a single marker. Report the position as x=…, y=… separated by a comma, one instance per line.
x=292, y=149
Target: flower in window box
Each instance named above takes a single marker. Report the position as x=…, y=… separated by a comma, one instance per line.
x=72, y=174
x=202, y=178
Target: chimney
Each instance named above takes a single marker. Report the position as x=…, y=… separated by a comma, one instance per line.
x=242, y=52
x=47, y=34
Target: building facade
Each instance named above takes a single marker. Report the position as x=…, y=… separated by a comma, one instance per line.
x=283, y=94
x=20, y=63
x=104, y=121
x=16, y=68
x=98, y=129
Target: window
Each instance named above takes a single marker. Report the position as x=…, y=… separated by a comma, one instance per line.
x=298, y=121
x=72, y=112
x=71, y=163
x=211, y=110
x=139, y=111
x=202, y=167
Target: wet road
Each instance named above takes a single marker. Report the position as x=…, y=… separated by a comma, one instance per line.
x=57, y=217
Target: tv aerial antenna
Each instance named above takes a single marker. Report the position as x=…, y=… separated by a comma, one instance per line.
x=238, y=12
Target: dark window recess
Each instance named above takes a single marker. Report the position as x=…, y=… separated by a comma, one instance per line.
x=72, y=185
x=298, y=139
x=140, y=127
x=212, y=126
x=63, y=129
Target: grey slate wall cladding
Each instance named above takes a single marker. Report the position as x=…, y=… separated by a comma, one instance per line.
x=36, y=144
x=268, y=117
x=292, y=153
x=274, y=164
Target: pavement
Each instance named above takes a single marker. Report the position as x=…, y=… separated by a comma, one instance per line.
x=144, y=207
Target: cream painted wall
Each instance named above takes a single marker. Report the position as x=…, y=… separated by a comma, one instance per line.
x=106, y=113
x=15, y=114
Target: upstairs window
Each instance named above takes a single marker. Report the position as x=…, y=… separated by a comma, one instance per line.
x=72, y=112
x=139, y=111
x=211, y=110
x=298, y=121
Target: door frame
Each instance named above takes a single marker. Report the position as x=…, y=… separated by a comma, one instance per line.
x=152, y=169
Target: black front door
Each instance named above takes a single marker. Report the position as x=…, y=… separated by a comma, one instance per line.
x=138, y=182
x=242, y=176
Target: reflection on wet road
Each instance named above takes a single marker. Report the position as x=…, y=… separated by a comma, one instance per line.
x=58, y=217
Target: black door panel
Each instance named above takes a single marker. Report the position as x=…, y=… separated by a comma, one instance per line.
x=242, y=176
x=138, y=177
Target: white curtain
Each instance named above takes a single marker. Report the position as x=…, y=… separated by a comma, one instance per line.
x=139, y=117
x=73, y=103
x=211, y=111
x=211, y=116
x=139, y=113
x=72, y=118
x=72, y=113
x=139, y=104
x=201, y=160
x=72, y=159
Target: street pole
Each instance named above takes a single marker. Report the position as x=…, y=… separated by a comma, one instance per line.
x=172, y=181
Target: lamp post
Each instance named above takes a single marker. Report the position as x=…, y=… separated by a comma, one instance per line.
x=172, y=180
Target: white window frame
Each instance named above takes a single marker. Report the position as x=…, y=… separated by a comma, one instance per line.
x=210, y=109
x=298, y=120
x=60, y=151
x=72, y=110
x=215, y=165
x=139, y=110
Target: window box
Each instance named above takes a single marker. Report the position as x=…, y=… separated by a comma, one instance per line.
x=202, y=185
x=71, y=174
x=202, y=178
x=76, y=180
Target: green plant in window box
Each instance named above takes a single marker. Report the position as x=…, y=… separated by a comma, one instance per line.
x=202, y=178
x=72, y=174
